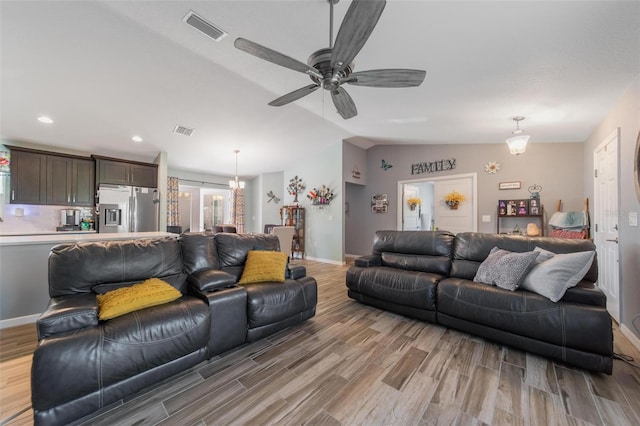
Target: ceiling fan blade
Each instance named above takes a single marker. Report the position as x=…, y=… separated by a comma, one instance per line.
x=272, y=56
x=356, y=27
x=387, y=78
x=343, y=103
x=295, y=95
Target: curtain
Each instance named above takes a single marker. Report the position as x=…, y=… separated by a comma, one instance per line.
x=173, y=193
x=237, y=209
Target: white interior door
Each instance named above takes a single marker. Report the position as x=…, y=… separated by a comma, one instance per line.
x=606, y=220
x=410, y=218
x=462, y=219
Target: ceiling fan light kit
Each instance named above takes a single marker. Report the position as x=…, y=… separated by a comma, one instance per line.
x=518, y=144
x=331, y=67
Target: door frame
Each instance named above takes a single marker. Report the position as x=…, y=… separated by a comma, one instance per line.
x=474, y=202
x=613, y=137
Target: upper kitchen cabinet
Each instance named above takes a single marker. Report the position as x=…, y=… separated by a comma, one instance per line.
x=120, y=172
x=70, y=181
x=28, y=177
x=40, y=177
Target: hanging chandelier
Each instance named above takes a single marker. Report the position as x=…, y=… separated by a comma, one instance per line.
x=518, y=143
x=236, y=184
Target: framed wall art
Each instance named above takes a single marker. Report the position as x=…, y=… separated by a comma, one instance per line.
x=509, y=185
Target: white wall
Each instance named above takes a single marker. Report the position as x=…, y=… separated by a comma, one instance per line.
x=324, y=226
x=625, y=115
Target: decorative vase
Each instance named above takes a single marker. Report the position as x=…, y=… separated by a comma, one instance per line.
x=453, y=205
x=412, y=206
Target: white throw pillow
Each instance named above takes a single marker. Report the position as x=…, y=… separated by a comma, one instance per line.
x=553, y=277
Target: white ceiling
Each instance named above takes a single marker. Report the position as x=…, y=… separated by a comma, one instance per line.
x=105, y=71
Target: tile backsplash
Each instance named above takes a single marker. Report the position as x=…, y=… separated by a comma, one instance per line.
x=35, y=219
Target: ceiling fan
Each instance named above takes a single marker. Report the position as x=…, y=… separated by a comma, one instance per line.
x=331, y=67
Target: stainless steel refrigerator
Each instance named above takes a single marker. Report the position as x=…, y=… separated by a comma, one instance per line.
x=124, y=208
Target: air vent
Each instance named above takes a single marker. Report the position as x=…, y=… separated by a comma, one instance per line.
x=203, y=26
x=181, y=130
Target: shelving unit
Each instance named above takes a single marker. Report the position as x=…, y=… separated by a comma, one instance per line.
x=537, y=217
x=294, y=216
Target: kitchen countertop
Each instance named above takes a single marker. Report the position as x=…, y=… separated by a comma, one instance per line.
x=69, y=237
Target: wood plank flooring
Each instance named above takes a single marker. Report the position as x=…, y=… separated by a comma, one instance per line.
x=354, y=364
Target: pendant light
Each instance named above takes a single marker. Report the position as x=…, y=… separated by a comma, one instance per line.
x=236, y=184
x=518, y=143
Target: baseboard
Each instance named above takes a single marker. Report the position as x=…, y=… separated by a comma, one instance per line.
x=332, y=262
x=13, y=322
x=635, y=341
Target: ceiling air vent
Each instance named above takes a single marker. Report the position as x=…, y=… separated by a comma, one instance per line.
x=203, y=26
x=181, y=130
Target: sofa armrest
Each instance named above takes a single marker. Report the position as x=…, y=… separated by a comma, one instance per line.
x=297, y=271
x=369, y=260
x=68, y=313
x=206, y=280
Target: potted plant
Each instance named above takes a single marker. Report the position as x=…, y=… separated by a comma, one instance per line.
x=453, y=199
x=413, y=202
x=321, y=196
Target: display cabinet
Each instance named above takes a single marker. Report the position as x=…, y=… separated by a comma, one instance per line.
x=294, y=216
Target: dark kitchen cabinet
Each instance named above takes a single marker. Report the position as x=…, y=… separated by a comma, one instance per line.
x=70, y=181
x=118, y=172
x=28, y=177
x=39, y=177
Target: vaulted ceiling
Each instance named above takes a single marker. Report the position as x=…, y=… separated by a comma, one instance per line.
x=105, y=71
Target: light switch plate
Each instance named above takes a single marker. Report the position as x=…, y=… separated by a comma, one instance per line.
x=486, y=218
x=633, y=218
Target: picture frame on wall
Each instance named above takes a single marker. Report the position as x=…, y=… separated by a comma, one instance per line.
x=509, y=185
x=379, y=203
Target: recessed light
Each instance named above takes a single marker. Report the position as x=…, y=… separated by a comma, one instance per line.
x=136, y=139
x=44, y=119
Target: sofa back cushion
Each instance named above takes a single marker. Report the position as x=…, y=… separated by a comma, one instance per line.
x=472, y=248
x=424, y=251
x=199, y=251
x=232, y=248
x=99, y=266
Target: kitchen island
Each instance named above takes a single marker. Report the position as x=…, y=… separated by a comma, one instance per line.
x=24, y=288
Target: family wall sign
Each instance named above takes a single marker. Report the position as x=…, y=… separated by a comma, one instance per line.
x=433, y=166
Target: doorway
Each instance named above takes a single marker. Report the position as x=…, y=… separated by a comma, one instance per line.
x=605, y=162
x=433, y=213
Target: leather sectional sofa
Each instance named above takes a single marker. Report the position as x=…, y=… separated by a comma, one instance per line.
x=82, y=364
x=429, y=275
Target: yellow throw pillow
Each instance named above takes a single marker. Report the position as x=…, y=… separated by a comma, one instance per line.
x=262, y=266
x=148, y=293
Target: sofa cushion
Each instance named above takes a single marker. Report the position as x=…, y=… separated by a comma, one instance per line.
x=148, y=293
x=198, y=251
x=268, y=303
x=79, y=267
x=411, y=288
x=426, y=251
x=264, y=266
x=232, y=248
x=525, y=314
x=554, y=276
x=505, y=269
x=472, y=248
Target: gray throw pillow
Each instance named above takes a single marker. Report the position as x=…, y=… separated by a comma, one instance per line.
x=553, y=277
x=505, y=269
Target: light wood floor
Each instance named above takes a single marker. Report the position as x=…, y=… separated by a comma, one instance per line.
x=353, y=364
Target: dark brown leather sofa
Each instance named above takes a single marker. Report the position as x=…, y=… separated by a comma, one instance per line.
x=429, y=275
x=82, y=365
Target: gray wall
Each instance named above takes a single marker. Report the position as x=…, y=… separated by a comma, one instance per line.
x=557, y=167
x=626, y=116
